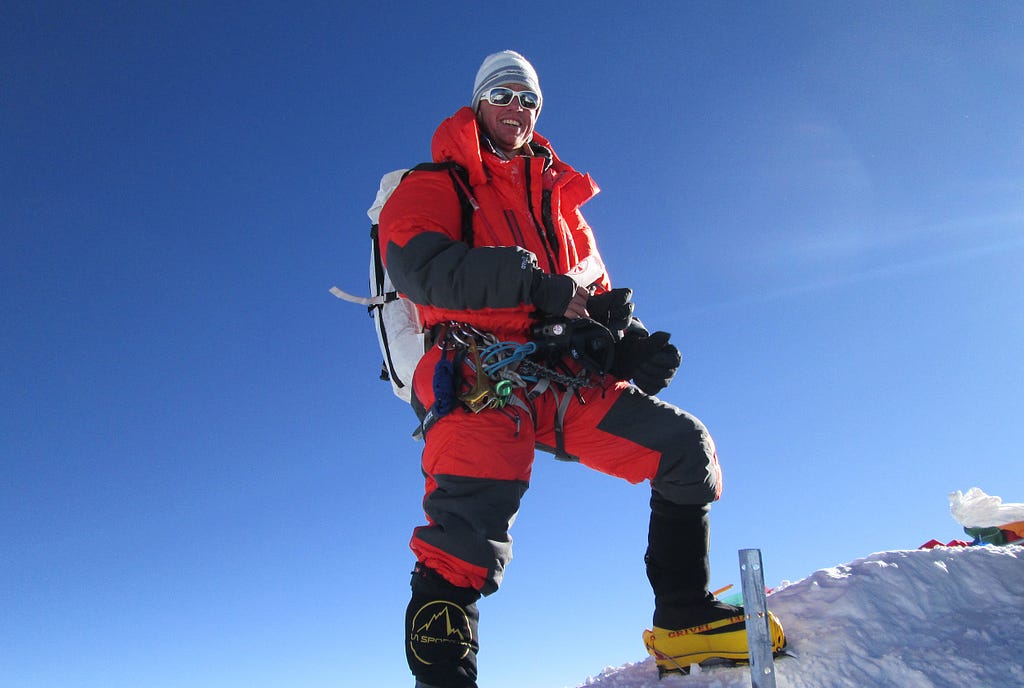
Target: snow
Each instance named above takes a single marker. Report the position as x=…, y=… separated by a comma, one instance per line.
x=948, y=616
x=979, y=510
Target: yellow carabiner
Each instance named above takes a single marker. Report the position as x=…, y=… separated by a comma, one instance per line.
x=479, y=396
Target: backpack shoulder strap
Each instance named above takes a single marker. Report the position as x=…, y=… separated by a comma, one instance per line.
x=460, y=180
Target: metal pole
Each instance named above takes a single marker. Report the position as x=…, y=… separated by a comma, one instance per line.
x=755, y=607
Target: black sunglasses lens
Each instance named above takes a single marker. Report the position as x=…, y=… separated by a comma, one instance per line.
x=528, y=99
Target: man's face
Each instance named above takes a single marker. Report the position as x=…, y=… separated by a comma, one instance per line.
x=510, y=127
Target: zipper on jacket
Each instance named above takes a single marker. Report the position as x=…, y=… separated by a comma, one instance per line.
x=513, y=226
x=545, y=215
x=547, y=239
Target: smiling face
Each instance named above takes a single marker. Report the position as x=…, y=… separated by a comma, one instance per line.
x=510, y=127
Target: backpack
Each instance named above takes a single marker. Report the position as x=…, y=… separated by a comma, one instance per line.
x=400, y=333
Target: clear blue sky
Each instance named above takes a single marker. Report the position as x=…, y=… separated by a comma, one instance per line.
x=203, y=484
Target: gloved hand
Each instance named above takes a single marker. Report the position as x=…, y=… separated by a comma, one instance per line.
x=649, y=360
x=551, y=294
x=613, y=309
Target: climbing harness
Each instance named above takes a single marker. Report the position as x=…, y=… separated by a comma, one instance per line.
x=499, y=369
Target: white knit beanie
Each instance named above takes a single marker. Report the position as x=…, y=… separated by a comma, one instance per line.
x=506, y=67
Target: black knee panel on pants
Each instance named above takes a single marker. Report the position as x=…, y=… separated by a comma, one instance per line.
x=441, y=631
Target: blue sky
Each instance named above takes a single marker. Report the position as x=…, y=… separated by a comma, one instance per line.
x=203, y=482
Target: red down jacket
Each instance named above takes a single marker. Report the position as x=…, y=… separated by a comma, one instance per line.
x=528, y=219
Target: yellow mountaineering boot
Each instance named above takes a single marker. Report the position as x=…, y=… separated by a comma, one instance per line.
x=690, y=625
x=722, y=638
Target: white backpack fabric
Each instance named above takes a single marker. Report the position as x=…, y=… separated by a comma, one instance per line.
x=400, y=332
x=397, y=319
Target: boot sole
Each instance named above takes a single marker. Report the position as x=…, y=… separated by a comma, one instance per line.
x=682, y=665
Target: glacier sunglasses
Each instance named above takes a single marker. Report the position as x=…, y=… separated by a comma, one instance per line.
x=501, y=96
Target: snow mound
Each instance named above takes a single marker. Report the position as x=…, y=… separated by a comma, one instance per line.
x=904, y=619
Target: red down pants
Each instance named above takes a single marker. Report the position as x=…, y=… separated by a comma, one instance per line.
x=477, y=466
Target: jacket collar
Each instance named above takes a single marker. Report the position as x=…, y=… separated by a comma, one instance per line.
x=459, y=138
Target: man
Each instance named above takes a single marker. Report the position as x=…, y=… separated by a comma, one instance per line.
x=508, y=286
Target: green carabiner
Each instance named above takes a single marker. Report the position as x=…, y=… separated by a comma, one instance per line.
x=502, y=392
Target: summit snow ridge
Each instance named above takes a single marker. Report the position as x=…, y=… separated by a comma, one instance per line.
x=901, y=619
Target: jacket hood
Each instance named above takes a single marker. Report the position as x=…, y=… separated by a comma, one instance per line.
x=458, y=138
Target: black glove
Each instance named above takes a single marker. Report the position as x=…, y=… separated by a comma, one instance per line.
x=649, y=360
x=551, y=294
x=612, y=309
